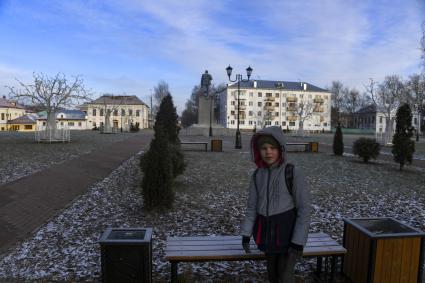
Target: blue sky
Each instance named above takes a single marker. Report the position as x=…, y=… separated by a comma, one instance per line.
x=127, y=46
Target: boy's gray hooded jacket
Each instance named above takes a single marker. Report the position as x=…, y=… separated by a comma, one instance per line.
x=279, y=199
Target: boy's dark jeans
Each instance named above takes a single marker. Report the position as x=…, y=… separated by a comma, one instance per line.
x=281, y=267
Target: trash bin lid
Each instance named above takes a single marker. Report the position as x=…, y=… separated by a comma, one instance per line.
x=126, y=236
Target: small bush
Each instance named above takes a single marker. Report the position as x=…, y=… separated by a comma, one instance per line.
x=366, y=148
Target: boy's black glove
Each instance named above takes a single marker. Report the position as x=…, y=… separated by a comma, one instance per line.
x=245, y=243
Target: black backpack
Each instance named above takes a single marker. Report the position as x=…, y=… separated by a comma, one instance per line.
x=289, y=177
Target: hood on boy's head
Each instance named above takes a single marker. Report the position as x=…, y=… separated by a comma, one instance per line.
x=274, y=132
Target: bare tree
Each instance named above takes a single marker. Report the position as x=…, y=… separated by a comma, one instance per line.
x=51, y=93
x=337, y=100
x=386, y=98
x=114, y=102
x=159, y=92
x=303, y=110
x=351, y=102
x=423, y=47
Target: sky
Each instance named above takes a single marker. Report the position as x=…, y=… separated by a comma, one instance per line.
x=128, y=46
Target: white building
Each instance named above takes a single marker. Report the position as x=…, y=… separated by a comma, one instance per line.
x=123, y=110
x=9, y=110
x=65, y=119
x=369, y=118
x=264, y=103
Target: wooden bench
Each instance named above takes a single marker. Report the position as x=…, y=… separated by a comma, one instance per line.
x=204, y=143
x=308, y=146
x=229, y=248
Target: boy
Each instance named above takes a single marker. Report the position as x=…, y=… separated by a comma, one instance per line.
x=277, y=215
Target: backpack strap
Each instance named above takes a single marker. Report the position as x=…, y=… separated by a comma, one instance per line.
x=289, y=177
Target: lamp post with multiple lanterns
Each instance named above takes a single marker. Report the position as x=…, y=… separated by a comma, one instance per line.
x=239, y=79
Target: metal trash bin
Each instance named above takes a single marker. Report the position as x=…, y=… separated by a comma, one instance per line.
x=382, y=250
x=217, y=145
x=126, y=255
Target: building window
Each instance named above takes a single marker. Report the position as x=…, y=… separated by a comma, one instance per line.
x=137, y=113
x=232, y=122
x=94, y=112
x=268, y=94
x=415, y=121
x=79, y=124
x=291, y=123
x=115, y=112
x=380, y=130
x=277, y=95
x=232, y=112
x=276, y=104
x=260, y=94
x=250, y=113
x=283, y=123
x=250, y=122
x=232, y=102
x=122, y=112
x=283, y=104
x=242, y=122
x=259, y=104
x=259, y=113
x=94, y=124
x=71, y=124
x=130, y=112
x=251, y=94
x=251, y=103
x=61, y=116
x=61, y=123
x=276, y=114
x=2, y=116
x=2, y=128
x=276, y=123
x=380, y=120
x=28, y=127
x=325, y=124
x=101, y=112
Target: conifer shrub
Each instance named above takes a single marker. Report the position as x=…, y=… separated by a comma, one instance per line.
x=366, y=148
x=338, y=144
x=157, y=182
x=403, y=145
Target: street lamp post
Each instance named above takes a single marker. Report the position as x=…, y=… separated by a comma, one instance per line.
x=239, y=79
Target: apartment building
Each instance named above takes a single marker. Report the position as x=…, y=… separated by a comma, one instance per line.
x=279, y=103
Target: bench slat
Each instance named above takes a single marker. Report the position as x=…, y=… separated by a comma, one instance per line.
x=231, y=242
x=239, y=254
x=222, y=246
x=205, y=238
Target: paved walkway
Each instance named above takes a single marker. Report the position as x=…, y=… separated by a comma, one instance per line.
x=27, y=203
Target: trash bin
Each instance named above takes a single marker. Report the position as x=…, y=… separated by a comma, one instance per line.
x=126, y=255
x=314, y=147
x=217, y=145
x=382, y=250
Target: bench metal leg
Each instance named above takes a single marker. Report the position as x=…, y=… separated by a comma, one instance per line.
x=319, y=265
x=333, y=267
x=173, y=272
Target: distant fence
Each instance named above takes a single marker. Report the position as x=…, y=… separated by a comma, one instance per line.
x=58, y=135
x=353, y=131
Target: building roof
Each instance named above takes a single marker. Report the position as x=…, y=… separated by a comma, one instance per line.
x=6, y=103
x=26, y=119
x=371, y=108
x=277, y=85
x=117, y=100
x=69, y=115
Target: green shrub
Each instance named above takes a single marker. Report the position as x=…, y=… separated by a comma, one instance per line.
x=157, y=182
x=177, y=159
x=403, y=146
x=338, y=144
x=366, y=148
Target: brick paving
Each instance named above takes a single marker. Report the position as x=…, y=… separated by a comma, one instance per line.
x=27, y=203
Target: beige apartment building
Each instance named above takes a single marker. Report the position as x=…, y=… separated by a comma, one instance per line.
x=9, y=110
x=278, y=103
x=123, y=110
